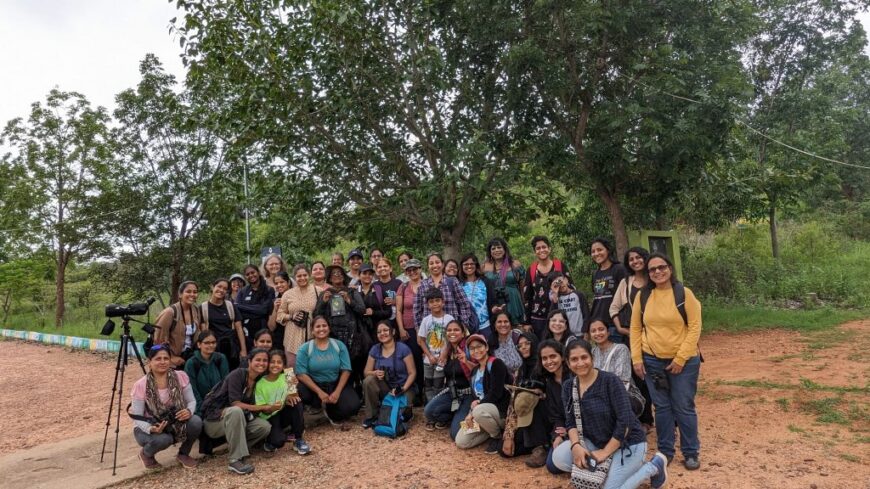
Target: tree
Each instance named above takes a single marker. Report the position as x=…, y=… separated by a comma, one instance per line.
x=391, y=111
x=61, y=157
x=601, y=86
x=794, y=47
x=174, y=173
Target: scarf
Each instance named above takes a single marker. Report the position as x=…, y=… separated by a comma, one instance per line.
x=176, y=401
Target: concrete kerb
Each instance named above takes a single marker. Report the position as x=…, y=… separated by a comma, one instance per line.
x=91, y=344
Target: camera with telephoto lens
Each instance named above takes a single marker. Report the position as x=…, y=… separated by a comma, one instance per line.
x=501, y=296
x=660, y=381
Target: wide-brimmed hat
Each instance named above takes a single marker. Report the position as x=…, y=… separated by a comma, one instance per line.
x=332, y=268
x=525, y=401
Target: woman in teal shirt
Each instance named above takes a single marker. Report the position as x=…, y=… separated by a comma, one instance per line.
x=323, y=369
x=206, y=367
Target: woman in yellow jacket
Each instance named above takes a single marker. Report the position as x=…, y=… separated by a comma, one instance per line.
x=665, y=327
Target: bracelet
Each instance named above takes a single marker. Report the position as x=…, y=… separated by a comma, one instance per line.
x=575, y=443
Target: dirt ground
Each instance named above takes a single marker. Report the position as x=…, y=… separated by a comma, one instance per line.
x=777, y=409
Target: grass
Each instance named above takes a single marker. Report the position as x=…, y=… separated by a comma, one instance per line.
x=782, y=402
x=796, y=429
x=805, y=384
x=735, y=319
x=849, y=458
x=826, y=410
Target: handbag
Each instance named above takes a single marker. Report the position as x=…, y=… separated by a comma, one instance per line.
x=634, y=396
x=586, y=478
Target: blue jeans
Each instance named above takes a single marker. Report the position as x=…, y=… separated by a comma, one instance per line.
x=676, y=405
x=627, y=471
x=438, y=410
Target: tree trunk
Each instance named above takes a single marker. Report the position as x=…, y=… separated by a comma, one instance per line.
x=60, y=281
x=617, y=222
x=452, y=243
x=7, y=304
x=774, y=240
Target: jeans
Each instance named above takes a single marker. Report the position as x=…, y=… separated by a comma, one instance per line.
x=676, y=405
x=627, y=470
x=433, y=380
x=438, y=410
x=152, y=443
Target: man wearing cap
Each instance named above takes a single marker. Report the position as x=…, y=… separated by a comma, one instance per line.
x=354, y=259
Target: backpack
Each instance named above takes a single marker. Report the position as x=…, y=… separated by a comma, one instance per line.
x=390, y=423
x=213, y=402
x=149, y=341
x=333, y=344
x=679, y=300
x=533, y=270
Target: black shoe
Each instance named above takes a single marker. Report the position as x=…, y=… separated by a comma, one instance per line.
x=369, y=422
x=493, y=447
x=692, y=463
x=241, y=468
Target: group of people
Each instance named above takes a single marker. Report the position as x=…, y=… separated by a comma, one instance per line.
x=501, y=355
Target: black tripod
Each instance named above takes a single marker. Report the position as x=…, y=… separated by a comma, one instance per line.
x=118, y=385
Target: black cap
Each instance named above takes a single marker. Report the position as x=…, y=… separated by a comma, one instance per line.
x=354, y=253
x=366, y=267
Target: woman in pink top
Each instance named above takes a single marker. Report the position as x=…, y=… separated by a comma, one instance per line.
x=405, y=314
x=162, y=410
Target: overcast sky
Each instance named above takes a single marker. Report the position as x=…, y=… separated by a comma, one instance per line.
x=90, y=46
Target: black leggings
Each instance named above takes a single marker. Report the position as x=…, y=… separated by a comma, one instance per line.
x=348, y=401
x=287, y=417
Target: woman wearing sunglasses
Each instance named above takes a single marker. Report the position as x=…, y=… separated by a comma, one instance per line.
x=665, y=327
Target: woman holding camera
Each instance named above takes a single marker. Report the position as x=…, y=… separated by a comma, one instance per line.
x=480, y=291
x=162, y=408
x=665, y=327
x=508, y=278
x=389, y=368
x=297, y=307
x=602, y=428
x=177, y=324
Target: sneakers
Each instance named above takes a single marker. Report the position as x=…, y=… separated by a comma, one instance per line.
x=430, y=426
x=661, y=478
x=493, y=446
x=241, y=468
x=369, y=422
x=691, y=462
x=187, y=461
x=290, y=438
x=268, y=447
x=538, y=458
x=301, y=447
x=440, y=426
x=150, y=462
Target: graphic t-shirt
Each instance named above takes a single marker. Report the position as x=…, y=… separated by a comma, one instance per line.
x=604, y=284
x=570, y=303
x=432, y=329
x=270, y=392
x=477, y=383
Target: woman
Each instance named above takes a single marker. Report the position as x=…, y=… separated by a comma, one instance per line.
x=255, y=303
x=345, y=309
x=387, y=287
x=664, y=352
x=373, y=298
x=206, y=368
x=177, y=324
x=375, y=257
x=229, y=411
x=222, y=317
x=527, y=425
x=491, y=398
x=455, y=301
x=389, y=369
x=337, y=259
x=272, y=389
x=162, y=409
x=508, y=278
x=278, y=327
x=537, y=295
x=405, y=299
x=402, y=259
x=620, y=313
x=608, y=427
x=451, y=268
x=273, y=264
x=296, y=311
x=605, y=280
x=237, y=281
x=557, y=327
x=503, y=342
x=479, y=290
x=616, y=359
x=552, y=364
x=318, y=274
x=323, y=369
x=262, y=340
x=450, y=406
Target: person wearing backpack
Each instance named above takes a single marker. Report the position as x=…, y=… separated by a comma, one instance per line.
x=491, y=399
x=222, y=317
x=255, y=303
x=389, y=369
x=605, y=280
x=537, y=295
x=665, y=328
x=177, y=324
x=206, y=368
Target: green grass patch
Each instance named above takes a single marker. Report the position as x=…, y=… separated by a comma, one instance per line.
x=805, y=384
x=783, y=402
x=732, y=318
x=826, y=410
x=796, y=429
x=862, y=439
x=849, y=458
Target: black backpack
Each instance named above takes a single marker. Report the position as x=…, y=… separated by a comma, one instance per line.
x=679, y=300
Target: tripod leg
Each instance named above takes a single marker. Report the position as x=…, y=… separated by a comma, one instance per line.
x=125, y=340
x=112, y=401
x=138, y=356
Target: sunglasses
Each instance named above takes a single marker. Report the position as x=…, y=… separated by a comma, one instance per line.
x=660, y=268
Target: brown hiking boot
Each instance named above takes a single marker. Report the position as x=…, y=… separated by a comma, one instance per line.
x=538, y=458
x=150, y=462
x=187, y=461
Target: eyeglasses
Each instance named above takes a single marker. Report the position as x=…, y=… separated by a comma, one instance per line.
x=477, y=347
x=209, y=342
x=660, y=268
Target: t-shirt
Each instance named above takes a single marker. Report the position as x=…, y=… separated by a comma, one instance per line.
x=389, y=289
x=139, y=388
x=394, y=364
x=219, y=320
x=476, y=292
x=270, y=392
x=570, y=303
x=604, y=284
x=477, y=383
x=432, y=329
x=322, y=366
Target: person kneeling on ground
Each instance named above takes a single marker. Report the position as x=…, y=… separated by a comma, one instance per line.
x=273, y=389
x=389, y=368
x=229, y=411
x=488, y=410
x=526, y=424
x=323, y=369
x=162, y=410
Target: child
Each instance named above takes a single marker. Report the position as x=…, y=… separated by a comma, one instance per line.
x=272, y=389
x=431, y=341
x=573, y=302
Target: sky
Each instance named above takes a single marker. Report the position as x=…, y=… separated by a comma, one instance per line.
x=89, y=46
